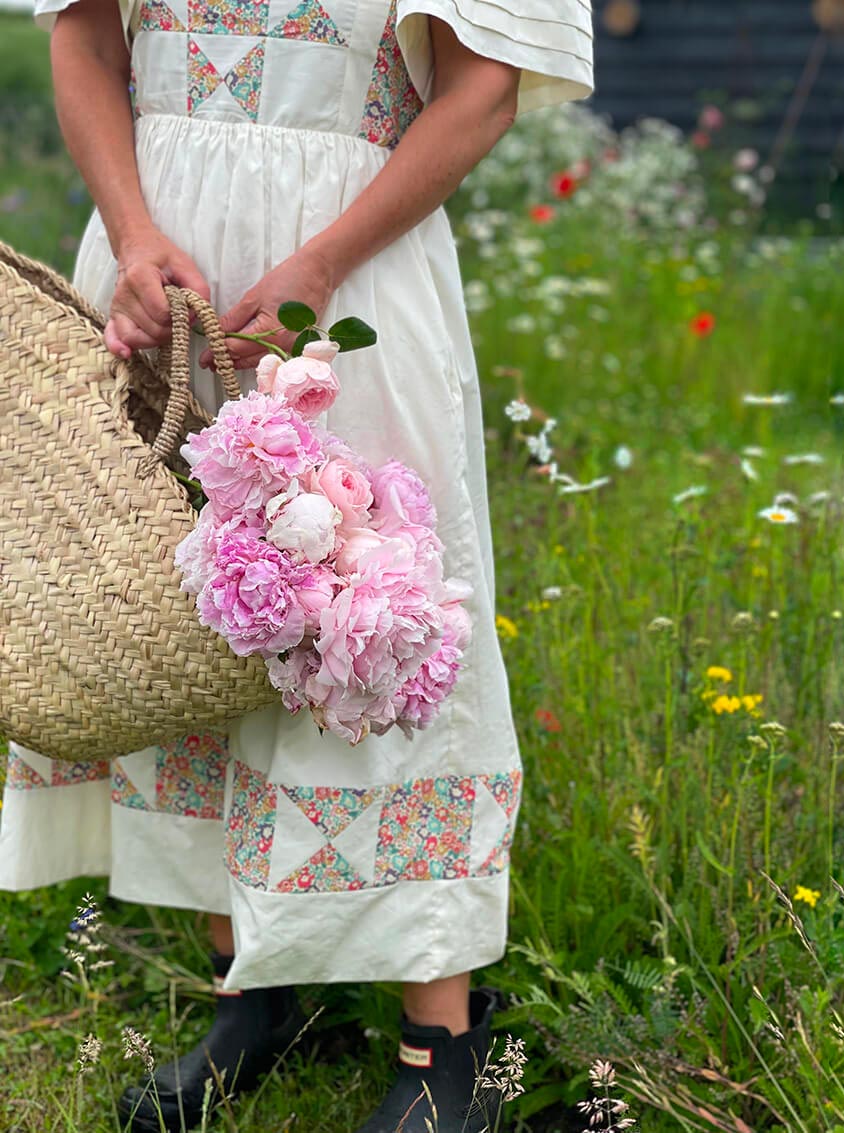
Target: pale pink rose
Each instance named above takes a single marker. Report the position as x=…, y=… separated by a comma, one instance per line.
x=251, y=597
x=325, y=350
x=711, y=118
x=400, y=498
x=251, y=453
x=304, y=526
x=307, y=385
x=196, y=553
x=347, y=487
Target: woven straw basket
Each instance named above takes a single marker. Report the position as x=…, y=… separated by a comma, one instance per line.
x=101, y=653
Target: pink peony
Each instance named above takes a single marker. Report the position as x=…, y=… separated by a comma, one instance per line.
x=400, y=498
x=251, y=597
x=307, y=385
x=250, y=454
x=347, y=487
x=196, y=553
x=361, y=546
x=417, y=703
x=291, y=674
x=304, y=525
x=314, y=592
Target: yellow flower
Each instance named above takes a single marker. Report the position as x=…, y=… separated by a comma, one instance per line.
x=505, y=627
x=727, y=704
x=751, y=702
x=810, y=896
x=719, y=673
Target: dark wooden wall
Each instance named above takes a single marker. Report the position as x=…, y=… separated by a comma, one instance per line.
x=746, y=55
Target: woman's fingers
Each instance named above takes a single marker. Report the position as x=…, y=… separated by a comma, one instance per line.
x=114, y=343
x=187, y=274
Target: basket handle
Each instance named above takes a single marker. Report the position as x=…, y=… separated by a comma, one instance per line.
x=175, y=358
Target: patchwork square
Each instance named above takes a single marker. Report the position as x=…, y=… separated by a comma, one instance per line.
x=228, y=17
x=191, y=776
x=244, y=81
x=155, y=15
x=425, y=831
x=326, y=871
x=331, y=809
x=310, y=21
x=85, y=771
x=123, y=790
x=22, y=776
x=506, y=790
x=392, y=101
x=251, y=827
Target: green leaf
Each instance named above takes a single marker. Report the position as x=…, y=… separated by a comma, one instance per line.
x=710, y=857
x=296, y=316
x=352, y=334
x=309, y=335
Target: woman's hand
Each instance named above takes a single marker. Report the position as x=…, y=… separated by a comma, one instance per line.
x=140, y=314
x=305, y=277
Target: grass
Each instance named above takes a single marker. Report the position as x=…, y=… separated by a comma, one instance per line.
x=658, y=799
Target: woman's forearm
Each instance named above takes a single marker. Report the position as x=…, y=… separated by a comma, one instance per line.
x=91, y=78
x=474, y=104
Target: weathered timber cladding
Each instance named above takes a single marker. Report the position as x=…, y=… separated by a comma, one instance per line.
x=748, y=54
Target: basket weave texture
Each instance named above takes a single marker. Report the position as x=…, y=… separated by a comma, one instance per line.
x=101, y=653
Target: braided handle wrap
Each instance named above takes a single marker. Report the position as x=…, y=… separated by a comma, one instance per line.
x=175, y=358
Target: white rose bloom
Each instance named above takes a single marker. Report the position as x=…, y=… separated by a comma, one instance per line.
x=304, y=527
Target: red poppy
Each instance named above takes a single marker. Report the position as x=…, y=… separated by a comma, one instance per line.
x=702, y=324
x=547, y=720
x=563, y=185
x=542, y=214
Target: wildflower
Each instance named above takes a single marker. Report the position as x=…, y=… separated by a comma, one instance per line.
x=773, y=729
x=542, y=214
x=836, y=728
x=572, y=486
x=506, y=627
x=88, y=1052
x=778, y=515
x=719, y=673
x=711, y=118
x=547, y=720
x=702, y=324
x=743, y=622
x=552, y=593
x=724, y=703
x=691, y=493
x=622, y=457
x=785, y=499
x=563, y=185
x=136, y=1046
x=809, y=896
x=803, y=458
x=748, y=471
x=753, y=451
x=518, y=410
x=758, y=742
x=701, y=140
x=605, y=1112
x=766, y=398
x=84, y=946
x=661, y=625
x=837, y=399
x=836, y=615
x=745, y=160
x=774, y=615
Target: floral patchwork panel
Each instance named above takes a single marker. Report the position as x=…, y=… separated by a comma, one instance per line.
x=506, y=790
x=425, y=831
x=244, y=81
x=331, y=809
x=123, y=790
x=228, y=17
x=309, y=21
x=155, y=15
x=392, y=102
x=85, y=771
x=191, y=776
x=251, y=827
x=326, y=871
x=22, y=776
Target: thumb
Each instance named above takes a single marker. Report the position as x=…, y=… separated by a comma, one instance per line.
x=238, y=316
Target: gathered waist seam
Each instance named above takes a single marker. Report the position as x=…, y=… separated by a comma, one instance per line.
x=258, y=129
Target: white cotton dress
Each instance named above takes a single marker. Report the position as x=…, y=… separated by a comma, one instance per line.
x=257, y=124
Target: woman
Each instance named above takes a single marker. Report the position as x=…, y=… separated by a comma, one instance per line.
x=285, y=150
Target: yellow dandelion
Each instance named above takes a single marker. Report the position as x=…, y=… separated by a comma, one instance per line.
x=506, y=627
x=809, y=896
x=728, y=704
x=719, y=673
x=750, y=702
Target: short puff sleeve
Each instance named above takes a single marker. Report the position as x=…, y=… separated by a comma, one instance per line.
x=47, y=10
x=549, y=40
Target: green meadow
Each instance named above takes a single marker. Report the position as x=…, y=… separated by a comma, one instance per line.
x=664, y=387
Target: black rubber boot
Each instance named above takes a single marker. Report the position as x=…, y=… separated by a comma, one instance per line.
x=451, y=1068
x=251, y=1031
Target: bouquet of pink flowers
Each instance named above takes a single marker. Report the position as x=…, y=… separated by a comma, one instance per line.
x=328, y=568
